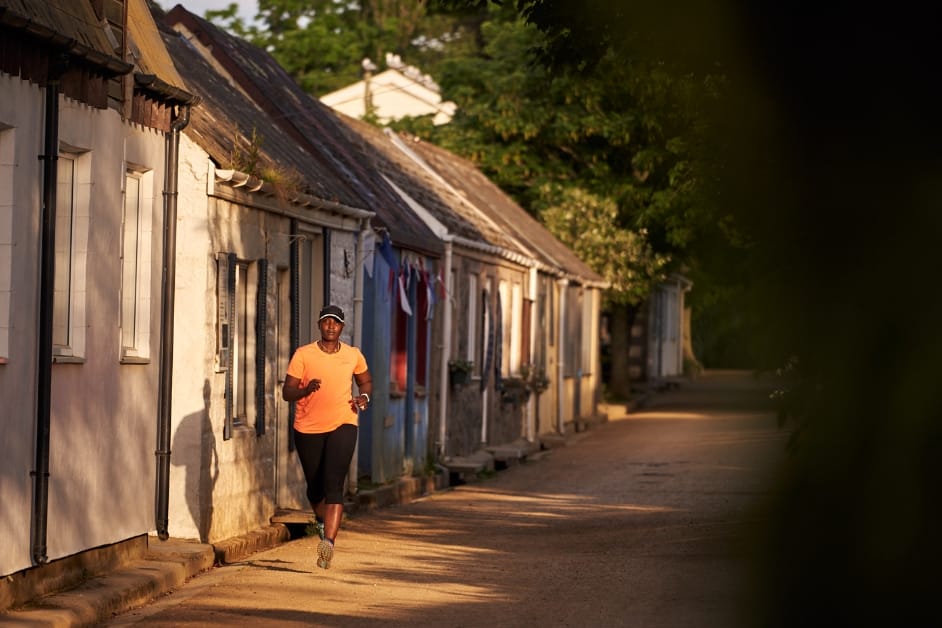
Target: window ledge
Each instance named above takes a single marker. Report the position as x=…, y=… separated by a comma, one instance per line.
x=130, y=359
x=67, y=359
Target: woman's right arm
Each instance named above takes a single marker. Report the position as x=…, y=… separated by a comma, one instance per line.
x=292, y=390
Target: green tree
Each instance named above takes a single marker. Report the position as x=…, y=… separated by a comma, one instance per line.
x=668, y=68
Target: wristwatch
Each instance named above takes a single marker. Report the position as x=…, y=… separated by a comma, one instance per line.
x=365, y=395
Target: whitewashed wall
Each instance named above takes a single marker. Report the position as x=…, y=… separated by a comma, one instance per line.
x=103, y=412
x=21, y=137
x=223, y=488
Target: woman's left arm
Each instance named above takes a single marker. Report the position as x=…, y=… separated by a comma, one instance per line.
x=365, y=385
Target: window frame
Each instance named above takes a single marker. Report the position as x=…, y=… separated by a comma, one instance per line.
x=516, y=327
x=71, y=347
x=473, y=349
x=241, y=328
x=572, y=346
x=589, y=331
x=311, y=244
x=7, y=196
x=135, y=345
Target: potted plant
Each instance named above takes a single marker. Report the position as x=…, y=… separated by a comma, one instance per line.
x=535, y=378
x=514, y=390
x=459, y=371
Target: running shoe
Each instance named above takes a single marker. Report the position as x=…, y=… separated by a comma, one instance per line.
x=319, y=528
x=325, y=552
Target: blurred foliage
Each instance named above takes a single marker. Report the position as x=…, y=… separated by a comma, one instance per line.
x=819, y=171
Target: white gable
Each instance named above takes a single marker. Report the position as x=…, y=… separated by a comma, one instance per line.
x=398, y=92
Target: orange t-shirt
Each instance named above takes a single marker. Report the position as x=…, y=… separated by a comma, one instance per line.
x=327, y=408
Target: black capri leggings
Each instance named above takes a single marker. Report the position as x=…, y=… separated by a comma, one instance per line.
x=325, y=459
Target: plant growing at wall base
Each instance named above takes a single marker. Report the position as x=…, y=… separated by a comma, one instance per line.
x=459, y=371
x=514, y=390
x=535, y=378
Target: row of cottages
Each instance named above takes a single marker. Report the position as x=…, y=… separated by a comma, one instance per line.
x=552, y=319
x=191, y=211
x=407, y=303
x=659, y=340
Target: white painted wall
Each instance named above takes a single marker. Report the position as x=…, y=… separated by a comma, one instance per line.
x=222, y=488
x=21, y=125
x=194, y=345
x=103, y=412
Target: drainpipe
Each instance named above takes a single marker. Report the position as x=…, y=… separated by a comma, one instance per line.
x=561, y=361
x=47, y=275
x=532, y=406
x=165, y=392
x=359, y=256
x=488, y=363
x=446, y=353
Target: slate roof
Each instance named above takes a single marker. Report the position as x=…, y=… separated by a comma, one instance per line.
x=344, y=171
x=225, y=120
x=68, y=24
x=28, y=28
x=426, y=187
x=32, y=31
x=503, y=211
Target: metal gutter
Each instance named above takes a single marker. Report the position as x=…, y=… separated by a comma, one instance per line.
x=164, y=90
x=250, y=183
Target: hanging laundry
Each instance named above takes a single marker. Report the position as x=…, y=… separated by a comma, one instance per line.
x=403, y=294
x=367, y=255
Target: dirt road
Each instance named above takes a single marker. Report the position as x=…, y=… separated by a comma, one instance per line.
x=644, y=521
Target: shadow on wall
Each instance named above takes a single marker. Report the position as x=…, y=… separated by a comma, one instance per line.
x=194, y=448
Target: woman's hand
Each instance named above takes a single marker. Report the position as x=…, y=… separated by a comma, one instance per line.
x=292, y=390
x=359, y=403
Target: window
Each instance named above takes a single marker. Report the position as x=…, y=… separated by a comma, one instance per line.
x=241, y=373
x=544, y=333
x=486, y=327
x=572, y=347
x=7, y=138
x=311, y=284
x=526, y=332
x=456, y=326
x=548, y=289
x=71, y=223
x=474, y=320
x=135, y=265
x=516, y=327
x=511, y=325
x=589, y=331
x=503, y=324
x=423, y=302
x=241, y=330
